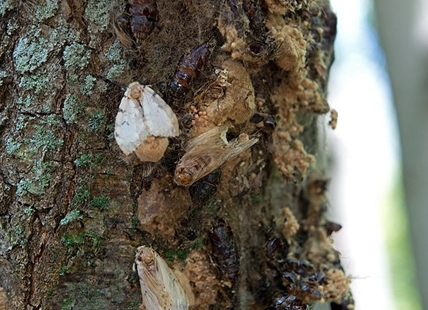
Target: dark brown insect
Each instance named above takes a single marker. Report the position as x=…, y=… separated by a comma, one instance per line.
x=144, y=16
x=188, y=69
x=223, y=250
x=137, y=22
x=203, y=189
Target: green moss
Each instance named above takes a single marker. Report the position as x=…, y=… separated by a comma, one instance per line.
x=68, y=304
x=257, y=198
x=87, y=87
x=48, y=9
x=132, y=305
x=94, y=239
x=197, y=244
x=83, y=161
x=71, y=108
x=135, y=222
x=89, y=160
x=71, y=240
x=97, y=122
x=64, y=270
x=171, y=255
x=101, y=202
x=81, y=196
x=73, y=215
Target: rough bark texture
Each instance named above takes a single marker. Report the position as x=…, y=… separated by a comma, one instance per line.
x=73, y=209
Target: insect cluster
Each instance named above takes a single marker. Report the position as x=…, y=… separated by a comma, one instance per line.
x=300, y=283
x=250, y=94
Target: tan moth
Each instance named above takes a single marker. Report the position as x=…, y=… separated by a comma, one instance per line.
x=207, y=152
x=159, y=286
x=143, y=123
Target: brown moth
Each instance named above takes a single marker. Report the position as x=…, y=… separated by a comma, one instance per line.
x=207, y=152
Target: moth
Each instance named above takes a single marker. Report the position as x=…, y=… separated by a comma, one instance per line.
x=144, y=123
x=159, y=286
x=207, y=152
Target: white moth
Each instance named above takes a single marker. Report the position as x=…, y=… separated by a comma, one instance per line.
x=159, y=286
x=144, y=123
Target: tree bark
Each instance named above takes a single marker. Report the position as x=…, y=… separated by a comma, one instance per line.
x=74, y=208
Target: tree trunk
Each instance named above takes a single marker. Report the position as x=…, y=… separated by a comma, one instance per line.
x=73, y=208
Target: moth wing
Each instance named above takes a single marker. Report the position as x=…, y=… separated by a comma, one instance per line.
x=212, y=149
x=173, y=287
x=159, y=118
x=152, y=287
x=129, y=130
x=149, y=297
x=239, y=145
x=211, y=137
